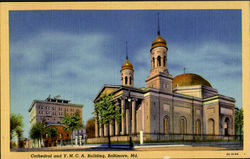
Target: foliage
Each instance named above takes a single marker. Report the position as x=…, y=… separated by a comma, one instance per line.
x=13, y=144
x=21, y=144
x=51, y=131
x=239, y=121
x=106, y=110
x=37, y=131
x=73, y=122
x=90, y=128
x=16, y=125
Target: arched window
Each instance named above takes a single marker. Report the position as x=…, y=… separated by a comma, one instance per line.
x=166, y=125
x=183, y=125
x=198, y=126
x=130, y=80
x=210, y=126
x=126, y=80
x=164, y=61
x=226, y=126
x=153, y=62
x=159, y=60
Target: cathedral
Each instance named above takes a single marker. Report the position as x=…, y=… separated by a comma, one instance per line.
x=186, y=104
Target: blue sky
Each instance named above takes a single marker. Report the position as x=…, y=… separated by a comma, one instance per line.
x=73, y=53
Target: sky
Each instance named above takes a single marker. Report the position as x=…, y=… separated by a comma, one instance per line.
x=74, y=53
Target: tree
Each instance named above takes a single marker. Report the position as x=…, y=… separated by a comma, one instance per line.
x=239, y=121
x=90, y=128
x=52, y=133
x=16, y=125
x=72, y=123
x=106, y=111
x=37, y=132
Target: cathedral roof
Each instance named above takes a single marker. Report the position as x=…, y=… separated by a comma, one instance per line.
x=127, y=65
x=189, y=79
x=159, y=41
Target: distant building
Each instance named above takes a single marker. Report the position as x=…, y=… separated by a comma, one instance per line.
x=52, y=110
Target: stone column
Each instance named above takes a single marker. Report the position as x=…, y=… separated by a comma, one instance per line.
x=134, y=117
x=111, y=130
x=129, y=117
x=123, y=117
x=97, y=128
x=116, y=123
x=127, y=120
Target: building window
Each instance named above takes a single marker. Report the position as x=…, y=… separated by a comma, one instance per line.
x=130, y=80
x=126, y=80
x=183, y=125
x=159, y=60
x=226, y=126
x=164, y=61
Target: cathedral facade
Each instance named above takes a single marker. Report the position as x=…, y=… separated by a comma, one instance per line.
x=185, y=104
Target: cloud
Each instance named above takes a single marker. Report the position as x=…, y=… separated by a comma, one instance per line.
x=60, y=63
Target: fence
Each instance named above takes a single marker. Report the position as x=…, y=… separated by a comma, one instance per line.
x=160, y=137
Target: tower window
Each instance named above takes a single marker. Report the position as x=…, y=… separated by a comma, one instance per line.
x=159, y=60
x=164, y=61
x=130, y=80
x=153, y=65
x=126, y=80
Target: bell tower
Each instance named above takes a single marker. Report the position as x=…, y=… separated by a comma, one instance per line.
x=127, y=72
x=159, y=77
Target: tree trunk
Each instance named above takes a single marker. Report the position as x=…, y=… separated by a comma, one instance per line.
x=71, y=138
x=109, y=144
x=38, y=143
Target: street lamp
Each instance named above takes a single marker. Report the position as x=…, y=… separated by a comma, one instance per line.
x=131, y=145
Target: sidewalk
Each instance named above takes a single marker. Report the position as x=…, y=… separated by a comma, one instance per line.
x=144, y=147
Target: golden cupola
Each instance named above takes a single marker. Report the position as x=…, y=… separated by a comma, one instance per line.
x=127, y=65
x=159, y=41
x=189, y=79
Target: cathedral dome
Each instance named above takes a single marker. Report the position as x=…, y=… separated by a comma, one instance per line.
x=159, y=41
x=189, y=79
x=127, y=65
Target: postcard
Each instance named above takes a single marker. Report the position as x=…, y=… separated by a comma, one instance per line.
x=125, y=80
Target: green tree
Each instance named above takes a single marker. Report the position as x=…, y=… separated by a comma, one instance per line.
x=72, y=123
x=37, y=132
x=52, y=133
x=16, y=125
x=90, y=128
x=239, y=121
x=106, y=111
